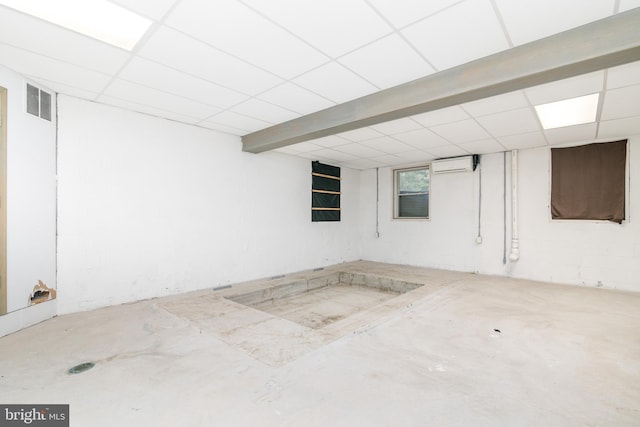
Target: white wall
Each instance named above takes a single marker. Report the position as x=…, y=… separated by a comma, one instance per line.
x=149, y=207
x=31, y=206
x=448, y=239
x=592, y=253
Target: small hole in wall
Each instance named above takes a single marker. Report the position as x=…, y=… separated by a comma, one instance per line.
x=78, y=369
x=39, y=295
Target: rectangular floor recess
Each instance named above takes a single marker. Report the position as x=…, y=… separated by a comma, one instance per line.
x=320, y=301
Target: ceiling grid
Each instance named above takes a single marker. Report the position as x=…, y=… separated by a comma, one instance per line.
x=243, y=66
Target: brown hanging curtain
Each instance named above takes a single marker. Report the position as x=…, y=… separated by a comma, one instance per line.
x=588, y=181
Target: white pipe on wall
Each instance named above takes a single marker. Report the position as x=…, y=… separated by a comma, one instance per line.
x=377, y=203
x=515, y=244
x=504, y=207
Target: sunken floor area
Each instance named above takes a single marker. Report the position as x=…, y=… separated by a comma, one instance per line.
x=408, y=347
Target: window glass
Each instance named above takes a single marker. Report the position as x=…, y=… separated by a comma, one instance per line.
x=412, y=193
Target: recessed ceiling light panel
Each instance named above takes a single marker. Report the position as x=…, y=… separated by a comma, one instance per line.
x=99, y=19
x=568, y=112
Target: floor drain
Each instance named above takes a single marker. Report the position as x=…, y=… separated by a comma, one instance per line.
x=78, y=369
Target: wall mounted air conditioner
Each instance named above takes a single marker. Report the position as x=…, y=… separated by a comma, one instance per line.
x=456, y=164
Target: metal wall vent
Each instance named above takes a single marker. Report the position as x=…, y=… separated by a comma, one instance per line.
x=38, y=102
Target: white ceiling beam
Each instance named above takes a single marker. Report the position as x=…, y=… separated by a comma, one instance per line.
x=595, y=46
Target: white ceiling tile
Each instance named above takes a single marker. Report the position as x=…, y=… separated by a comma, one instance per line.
x=628, y=4
x=439, y=117
x=64, y=89
x=305, y=147
x=577, y=133
x=286, y=150
x=471, y=30
x=359, y=149
x=146, y=109
x=620, y=128
x=335, y=82
x=388, y=145
x=330, y=141
x=335, y=155
x=389, y=160
x=396, y=126
x=166, y=79
x=264, y=111
x=421, y=139
x=459, y=132
x=221, y=128
x=245, y=53
x=496, y=104
x=239, y=121
x=295, y=98
x=448, y=151
x=532, y=20
x=527, y=140
x=621, y=103
x=416, y=156
x=624, y=75
x=522, y=120
x=409, y=11
x=567, y=88
x=312, y=156
x=240, y=31
x=154, y=9
x=362, y=164
x=53, y=70
x=181, y=52
x=157, y=99
x=361, y=134
x=37, y=36
x=387, y=62
x=333, y=26
x=484, y=146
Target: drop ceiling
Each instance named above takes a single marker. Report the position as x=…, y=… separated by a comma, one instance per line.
x=239, y=66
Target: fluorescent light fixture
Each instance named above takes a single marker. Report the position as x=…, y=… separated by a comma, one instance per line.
x=569, y=112
x=99, y=19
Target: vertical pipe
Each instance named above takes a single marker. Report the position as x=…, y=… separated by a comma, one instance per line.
x=504, y=207
x=479, y=236
x=377, y=204
x=515, y=243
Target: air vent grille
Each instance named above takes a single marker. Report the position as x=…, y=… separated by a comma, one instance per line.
x=38, y=102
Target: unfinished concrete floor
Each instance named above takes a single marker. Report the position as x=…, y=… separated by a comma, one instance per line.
x=462, y=350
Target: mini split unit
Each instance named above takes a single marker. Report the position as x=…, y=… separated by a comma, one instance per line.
x=455, y=164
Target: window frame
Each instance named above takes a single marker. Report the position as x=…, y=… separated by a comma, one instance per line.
x=325, y=192
x=397, y=195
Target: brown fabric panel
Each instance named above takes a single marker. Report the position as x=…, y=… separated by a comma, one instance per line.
x=588, y=181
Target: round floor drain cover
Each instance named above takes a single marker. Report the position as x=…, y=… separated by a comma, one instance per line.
x=78, y=369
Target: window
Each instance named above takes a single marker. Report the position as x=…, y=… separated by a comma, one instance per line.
x=325, y=192
x=588, y=181
x=411, y=192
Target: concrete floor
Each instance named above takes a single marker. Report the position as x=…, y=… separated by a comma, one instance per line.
x=322, y=307
x=462, y=350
